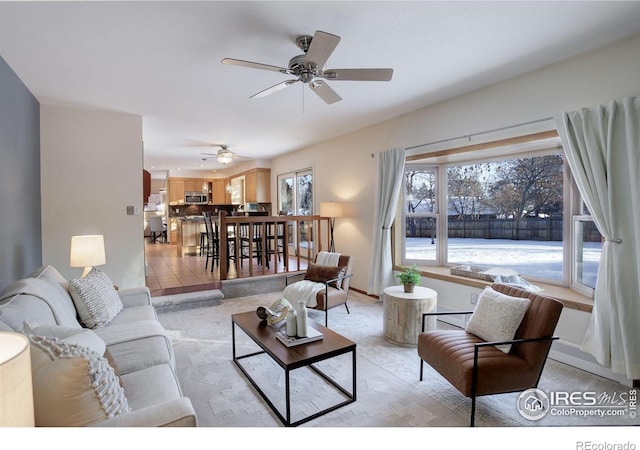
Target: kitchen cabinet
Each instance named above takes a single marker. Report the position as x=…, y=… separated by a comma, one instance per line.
x=220, y=192
x=193, y=185
x=176, y=191
x=257, y=186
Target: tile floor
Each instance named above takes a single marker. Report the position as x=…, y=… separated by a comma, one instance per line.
x=168, y=274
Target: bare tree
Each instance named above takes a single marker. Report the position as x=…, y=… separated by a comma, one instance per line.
x=528, y=186
x=466, y=189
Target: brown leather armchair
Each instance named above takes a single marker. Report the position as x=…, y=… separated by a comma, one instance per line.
x=331, y=296
x=476, y=367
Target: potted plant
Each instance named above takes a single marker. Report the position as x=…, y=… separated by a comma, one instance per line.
x=410, y=277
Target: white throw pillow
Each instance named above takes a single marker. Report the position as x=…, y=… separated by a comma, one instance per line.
x=95, y=298
x=72, y=385
x=81, y=336
x=497, y=317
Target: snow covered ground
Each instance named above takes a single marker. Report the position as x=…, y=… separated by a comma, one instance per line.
x=541, y=259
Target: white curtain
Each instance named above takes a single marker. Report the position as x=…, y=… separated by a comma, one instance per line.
x=390, y=170
x=602, y=146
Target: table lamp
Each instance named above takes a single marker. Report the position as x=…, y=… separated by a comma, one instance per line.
x=16, y=390
x=331, y=210
x=87, y=251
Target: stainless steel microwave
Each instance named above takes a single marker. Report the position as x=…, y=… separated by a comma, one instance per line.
x=195, y=198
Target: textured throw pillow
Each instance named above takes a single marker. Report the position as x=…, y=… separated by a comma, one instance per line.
x=95, y=298
x=80, y=336
x=73, y=385
x=322, y=274
x=497, y=317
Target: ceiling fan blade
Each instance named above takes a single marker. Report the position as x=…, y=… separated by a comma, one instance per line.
x=358, y=74
x=274, y=88
x=321, y=47
x=253, y=65
x=324, y=91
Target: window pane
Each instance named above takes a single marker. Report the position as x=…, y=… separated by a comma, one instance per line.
x=508, y=214
x=420, y=239
x=420, y=191
x=285, y=195
x=588, y=250
x=305, y=194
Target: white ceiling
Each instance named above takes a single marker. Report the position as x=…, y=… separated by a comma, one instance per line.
x=161, y=60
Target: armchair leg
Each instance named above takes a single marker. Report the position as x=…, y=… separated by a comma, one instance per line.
x=473, y=411
x=421, y=367
x=345, y=305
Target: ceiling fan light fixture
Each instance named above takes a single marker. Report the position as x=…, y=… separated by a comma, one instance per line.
x=225, y=156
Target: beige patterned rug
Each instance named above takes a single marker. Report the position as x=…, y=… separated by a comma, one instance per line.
x=389, y=393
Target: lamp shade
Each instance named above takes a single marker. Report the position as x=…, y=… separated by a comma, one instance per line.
x=331, y=209
x=16, y=391
x=87, y=251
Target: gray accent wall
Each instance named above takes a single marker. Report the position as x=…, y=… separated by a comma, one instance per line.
x=20, y=216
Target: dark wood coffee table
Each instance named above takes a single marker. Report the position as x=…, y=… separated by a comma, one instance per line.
x=290, y=358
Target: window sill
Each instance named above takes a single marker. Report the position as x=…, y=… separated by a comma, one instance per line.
x=568, y=297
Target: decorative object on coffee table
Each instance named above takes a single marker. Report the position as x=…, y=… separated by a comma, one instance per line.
x=410, y=278
x=276, y=313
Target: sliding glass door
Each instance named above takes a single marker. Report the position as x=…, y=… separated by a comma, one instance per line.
x=295, y=198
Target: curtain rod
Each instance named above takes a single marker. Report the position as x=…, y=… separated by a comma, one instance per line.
x=469, y=136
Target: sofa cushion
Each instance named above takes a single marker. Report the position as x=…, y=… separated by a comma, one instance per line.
x=57, y=306
x=151, y=386
x=96, y=300
x=80, y=336
x=134, y=314
x=137, y=347
x=72, y=385
x=60, y=289
x=497, y=317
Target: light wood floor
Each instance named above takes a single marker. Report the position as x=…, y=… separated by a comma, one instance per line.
x=168, y=274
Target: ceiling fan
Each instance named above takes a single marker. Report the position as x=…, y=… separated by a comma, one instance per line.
x=224, y=155
x=309, y=68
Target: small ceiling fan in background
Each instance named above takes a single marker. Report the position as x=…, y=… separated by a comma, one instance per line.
x=309, y=68
x=224, y=155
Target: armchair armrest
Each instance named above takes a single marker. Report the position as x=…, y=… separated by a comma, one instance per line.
x=173, y=413
x=140, y=296
x=333, y=280
x=442, y=313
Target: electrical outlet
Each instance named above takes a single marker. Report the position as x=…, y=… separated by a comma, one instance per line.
x=474, y=298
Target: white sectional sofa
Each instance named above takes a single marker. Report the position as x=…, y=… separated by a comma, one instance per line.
x=138, y=350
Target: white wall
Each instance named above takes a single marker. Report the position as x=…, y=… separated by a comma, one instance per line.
x=91, y=170
x=344, y=169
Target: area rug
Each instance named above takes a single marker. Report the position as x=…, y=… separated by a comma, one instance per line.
x=389, y=393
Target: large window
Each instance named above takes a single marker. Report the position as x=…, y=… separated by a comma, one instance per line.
x=506, y=212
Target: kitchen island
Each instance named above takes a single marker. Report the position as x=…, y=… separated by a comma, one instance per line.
x=189, y=229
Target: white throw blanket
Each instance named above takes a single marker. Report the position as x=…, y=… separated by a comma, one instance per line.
x=327, y=259
x=303, y=291
x=306, y=290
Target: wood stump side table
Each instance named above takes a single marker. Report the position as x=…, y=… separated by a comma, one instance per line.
x=402, y=313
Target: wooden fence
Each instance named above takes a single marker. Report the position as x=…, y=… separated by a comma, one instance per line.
x=527, y=228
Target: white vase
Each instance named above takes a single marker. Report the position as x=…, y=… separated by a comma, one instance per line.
x=301, y=323
x=292, y=328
